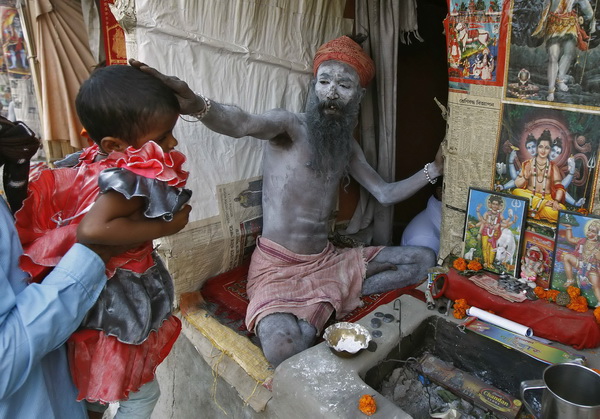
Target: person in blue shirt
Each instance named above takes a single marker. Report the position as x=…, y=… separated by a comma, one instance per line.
x=36, y=320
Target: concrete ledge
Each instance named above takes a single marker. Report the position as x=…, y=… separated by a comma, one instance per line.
x=313, y=384
x=318, y=384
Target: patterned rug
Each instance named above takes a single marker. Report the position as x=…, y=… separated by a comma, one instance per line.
x=226, y=299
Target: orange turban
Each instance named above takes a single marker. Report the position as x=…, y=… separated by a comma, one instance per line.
x=347, y=51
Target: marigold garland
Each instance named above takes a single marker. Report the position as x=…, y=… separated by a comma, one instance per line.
x=367, y=404
x=578, y=302
x=540, y=292
x=597, y=314
x=460, y=308
x=551, y=295
x=474, y=265
x=466, y=266
x=573, y=291
x=460, y=264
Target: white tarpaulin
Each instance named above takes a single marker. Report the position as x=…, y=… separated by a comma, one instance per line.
x=255, y=54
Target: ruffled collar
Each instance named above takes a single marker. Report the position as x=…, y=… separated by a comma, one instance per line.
x=149, y=161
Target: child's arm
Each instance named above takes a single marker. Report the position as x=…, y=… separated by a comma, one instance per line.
x=116, y=220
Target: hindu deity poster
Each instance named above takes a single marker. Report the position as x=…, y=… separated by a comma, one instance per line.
x=578, y=255
x=14, y=52
x=548, y=156
x=554, y=55
x=113, y=35
x=476, y=38
x=494, y=230
x=537, y=255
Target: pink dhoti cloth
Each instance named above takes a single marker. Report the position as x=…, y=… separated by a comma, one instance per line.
x=310, y=287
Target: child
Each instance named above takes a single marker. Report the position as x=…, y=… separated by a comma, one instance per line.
x=126, y=189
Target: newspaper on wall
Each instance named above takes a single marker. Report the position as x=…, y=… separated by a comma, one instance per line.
x=472, y=132
x=221, y=242
x=241, y=218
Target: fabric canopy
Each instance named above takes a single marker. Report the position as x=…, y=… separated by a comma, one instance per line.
x=65, y=61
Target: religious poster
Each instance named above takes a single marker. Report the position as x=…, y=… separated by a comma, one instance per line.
x=494, y=230
x=548, y=156
x=578, y=255
x=554, y=54
x=113, y=35
x=14, y=52
x=18, y=99
x=537, y=255
x=476, y=41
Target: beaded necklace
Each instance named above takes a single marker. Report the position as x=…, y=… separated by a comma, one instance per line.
x=589, y=250
x=543, y=182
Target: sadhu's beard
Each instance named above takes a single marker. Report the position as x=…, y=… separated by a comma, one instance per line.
x=330, y=135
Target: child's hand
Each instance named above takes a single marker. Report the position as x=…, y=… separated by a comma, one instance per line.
x=180, y=220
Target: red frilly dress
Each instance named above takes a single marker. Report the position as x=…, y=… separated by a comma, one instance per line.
x=130, y=329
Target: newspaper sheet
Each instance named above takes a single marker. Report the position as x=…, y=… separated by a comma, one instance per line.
x=473, y=129
x=241, y=218
x=221, y=243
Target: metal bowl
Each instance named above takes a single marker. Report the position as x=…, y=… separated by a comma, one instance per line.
x=346, y=339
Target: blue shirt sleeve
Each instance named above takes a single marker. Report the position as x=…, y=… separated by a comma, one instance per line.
x=36, y=319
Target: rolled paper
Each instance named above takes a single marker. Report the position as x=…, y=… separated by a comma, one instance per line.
x=500, y=321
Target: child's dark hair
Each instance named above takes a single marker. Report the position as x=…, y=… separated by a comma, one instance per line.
x=119, y=101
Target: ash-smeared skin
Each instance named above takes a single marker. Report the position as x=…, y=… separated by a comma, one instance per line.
x=301, y=178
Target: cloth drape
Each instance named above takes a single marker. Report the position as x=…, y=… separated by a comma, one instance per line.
x=378, y=113
x=65, y=60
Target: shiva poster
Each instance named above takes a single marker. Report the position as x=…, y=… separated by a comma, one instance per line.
x=476, y=33
x=494, y=229
x=554, y=55
x=578, y=255
x=548, y=156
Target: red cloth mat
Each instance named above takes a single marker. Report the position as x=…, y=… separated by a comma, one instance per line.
x=225, y=297
x=547, y=320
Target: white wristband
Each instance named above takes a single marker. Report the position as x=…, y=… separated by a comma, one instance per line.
x=201, y=114
x=426, y=171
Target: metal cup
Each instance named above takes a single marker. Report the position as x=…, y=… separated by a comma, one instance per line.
x=571, y=391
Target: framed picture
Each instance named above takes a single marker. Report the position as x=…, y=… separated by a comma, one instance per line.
x=494, y=230
x=549, y=156
x=537, y=255
x=577, y=255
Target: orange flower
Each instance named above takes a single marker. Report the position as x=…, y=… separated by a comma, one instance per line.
x=578, y=304
x=460, y=264
x=460, y=308
x=582, y=211
x=573, y=291
x=474, y=265
x=540, y=292
x=367, y=404
x=551, y=295
x=597, y=314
